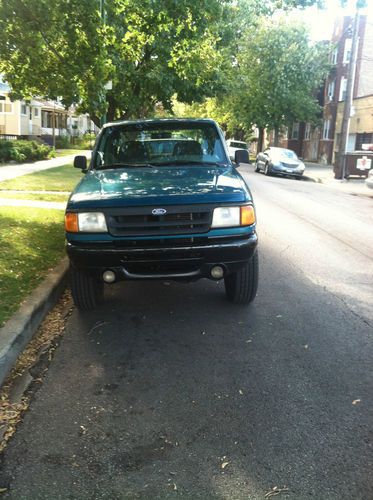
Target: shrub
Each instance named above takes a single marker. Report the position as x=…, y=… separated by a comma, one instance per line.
x=63, y=142
x=21, y=151
x=85, y=141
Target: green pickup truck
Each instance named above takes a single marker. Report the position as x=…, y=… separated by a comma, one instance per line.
x=161, y=199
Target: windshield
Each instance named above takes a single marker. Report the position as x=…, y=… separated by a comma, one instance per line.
x=284, y=153
x=159, y=144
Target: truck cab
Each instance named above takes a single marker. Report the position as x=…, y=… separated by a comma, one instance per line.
x=161, y=199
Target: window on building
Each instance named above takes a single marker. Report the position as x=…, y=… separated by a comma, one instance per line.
x=295, y=131
x=331, y=89
x=326, y=130
x=334, y=57
x=5, y=107
x=23, y=109
x=36, y=112
x=343, y=89
x=307, y=132
x=363, y=139
x=347, y=51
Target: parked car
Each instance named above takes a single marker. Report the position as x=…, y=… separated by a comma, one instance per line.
x=369, y=179
x=161, y=200
x=279, y=161
x=234, y=146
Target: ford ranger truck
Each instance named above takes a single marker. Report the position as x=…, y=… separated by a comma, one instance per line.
x=161, y=199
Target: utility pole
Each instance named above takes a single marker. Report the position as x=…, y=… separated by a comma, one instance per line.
x=343, y=143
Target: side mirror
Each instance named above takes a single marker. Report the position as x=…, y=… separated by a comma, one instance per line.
x=241, y=156
x=81, y=162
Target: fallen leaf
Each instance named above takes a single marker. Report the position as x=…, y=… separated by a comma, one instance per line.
x=356, y=401
x=276, y=491
x=3, y=490
x=224, y=464
x=241, y=392
x=306, y=346
x=279, y=316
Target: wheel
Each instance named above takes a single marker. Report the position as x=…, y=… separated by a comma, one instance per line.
x=266, y=170
x=241, y=287
x=85, y=289
x=257, y=168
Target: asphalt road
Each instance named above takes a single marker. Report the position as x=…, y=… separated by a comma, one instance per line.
x=168, y=391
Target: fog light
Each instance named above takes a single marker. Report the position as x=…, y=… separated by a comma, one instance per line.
x=217, y=272
x=108, y=276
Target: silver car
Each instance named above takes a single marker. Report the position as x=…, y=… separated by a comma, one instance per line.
x=369, y=179
x=279, y=161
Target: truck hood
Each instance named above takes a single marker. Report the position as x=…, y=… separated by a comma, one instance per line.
x=163, y=185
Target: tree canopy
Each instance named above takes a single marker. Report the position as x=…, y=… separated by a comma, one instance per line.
x=275, y=80
x=149, y=49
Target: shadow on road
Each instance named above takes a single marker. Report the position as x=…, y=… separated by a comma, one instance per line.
x=168, y=390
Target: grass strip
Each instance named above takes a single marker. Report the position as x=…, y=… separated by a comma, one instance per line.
x=20, y=195
x=32, y=243
x=62, y=178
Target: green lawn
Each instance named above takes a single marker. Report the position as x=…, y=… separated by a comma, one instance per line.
x=66, y=152
x=32, y=242
x=54, y=179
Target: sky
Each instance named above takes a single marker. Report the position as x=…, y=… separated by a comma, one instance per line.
x=321, y=21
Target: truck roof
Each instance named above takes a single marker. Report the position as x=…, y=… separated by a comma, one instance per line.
x=161, y=121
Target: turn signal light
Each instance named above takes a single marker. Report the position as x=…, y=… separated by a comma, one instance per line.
x=71, y=222
x=247, y=215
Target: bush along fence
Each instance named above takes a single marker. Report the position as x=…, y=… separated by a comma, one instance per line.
x=21, y=151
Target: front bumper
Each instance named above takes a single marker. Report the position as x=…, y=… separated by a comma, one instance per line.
x=280, y=169
x=182, y=262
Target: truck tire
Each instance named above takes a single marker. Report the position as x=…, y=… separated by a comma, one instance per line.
x=87, y=291
x=241, y=287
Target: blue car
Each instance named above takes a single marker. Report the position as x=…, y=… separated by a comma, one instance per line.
x=161, y=199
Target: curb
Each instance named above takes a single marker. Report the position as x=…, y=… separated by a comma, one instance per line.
x=21, y=327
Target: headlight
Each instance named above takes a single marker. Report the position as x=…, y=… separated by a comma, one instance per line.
x=85, y=222
x=233, y=216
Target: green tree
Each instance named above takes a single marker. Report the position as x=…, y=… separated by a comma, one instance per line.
x=278, y=75
x=149, y=49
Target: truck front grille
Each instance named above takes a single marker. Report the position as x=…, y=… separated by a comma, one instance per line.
x=141, y=221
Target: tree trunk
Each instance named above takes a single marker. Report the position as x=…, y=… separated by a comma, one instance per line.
x=260, y=140
x=112, y=108
x=277, y=136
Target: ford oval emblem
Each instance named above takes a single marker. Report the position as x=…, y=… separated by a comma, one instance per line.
x=159, y=211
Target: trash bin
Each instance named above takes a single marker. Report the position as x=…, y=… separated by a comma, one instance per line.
x=357, y=164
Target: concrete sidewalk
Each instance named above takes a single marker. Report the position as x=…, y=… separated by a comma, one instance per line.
x=13, y=202
x=12, y=171
x=323, y=174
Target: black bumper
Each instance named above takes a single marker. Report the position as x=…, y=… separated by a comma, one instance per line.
x=170, y=262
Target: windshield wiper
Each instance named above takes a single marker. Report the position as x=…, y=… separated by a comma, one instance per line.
x=188, y=162
x=124, y=165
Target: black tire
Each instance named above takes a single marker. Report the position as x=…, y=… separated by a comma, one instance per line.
x=241, y=287
x=267, y=170
x=86, y=290
x=257, y=168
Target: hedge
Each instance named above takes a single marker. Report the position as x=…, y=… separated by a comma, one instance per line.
x=21, y=151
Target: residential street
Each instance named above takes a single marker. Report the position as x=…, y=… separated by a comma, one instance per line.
x=170, y=391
